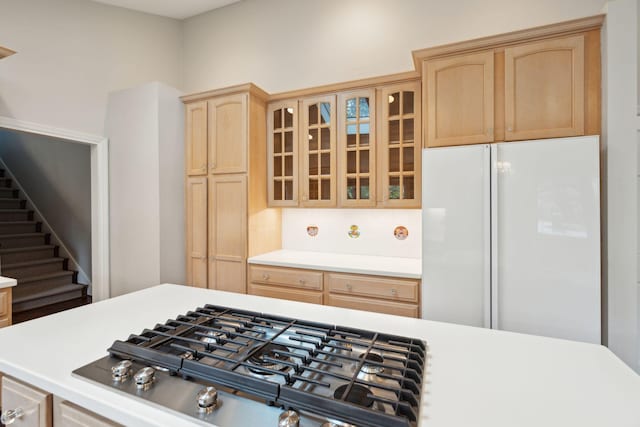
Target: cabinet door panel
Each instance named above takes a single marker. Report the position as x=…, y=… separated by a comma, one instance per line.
x=286, y=293
x=228, y=232
x=378, y=306
x=318, y=147
x=70, y=415
x=197, y=232
x=35, y=404
x=459, y=100
x=544, y=89
x=357, y=148
x=228, y=134
x=370, y=286
x=196, y=138
x=282, y=153
x=289, y=277
x=5, y=302
x=400, y=154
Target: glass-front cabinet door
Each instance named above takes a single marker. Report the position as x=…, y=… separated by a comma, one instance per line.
x=356, y=145
x=282, y=153
x=400, y=146
x=318, y=152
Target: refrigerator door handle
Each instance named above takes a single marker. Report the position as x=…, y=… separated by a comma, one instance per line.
x=486, y=176
x=495, y=166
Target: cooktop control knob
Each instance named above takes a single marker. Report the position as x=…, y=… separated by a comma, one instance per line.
x=207, y=399
x=121, y=370
x=145, y=377
x=289, y=419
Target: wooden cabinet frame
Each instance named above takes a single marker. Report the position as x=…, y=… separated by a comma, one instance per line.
x=271, y=155
x=196, y=222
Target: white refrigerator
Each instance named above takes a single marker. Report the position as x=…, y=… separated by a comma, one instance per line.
x=511, y=237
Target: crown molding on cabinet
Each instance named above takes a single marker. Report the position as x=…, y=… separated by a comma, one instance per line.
x=4, y=52
x=507, y=39
x=229, y=90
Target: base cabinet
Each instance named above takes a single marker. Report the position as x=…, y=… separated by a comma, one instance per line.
x=66, y=414
x=24, y=405
x=5, y=307
x=387, y=295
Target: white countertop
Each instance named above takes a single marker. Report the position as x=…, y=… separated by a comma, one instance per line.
x=7, y=282
x=475, y=377
x=346, y=263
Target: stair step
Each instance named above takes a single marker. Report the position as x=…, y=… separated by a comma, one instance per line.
x=27, y=299
x=5, y=182
x=16, y=215
x=48, y=279
x=12, y=203
x=16, y=227
x=24, y=240
x=13, y=255
x=9, y=193
x=19, y=270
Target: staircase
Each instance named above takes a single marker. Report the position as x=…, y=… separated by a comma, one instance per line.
x=45, y=283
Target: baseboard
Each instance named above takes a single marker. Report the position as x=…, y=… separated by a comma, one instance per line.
x=82, y=275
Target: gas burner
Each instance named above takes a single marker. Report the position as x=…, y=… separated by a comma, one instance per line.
x=369, y=368
x=213, y=337
x=358, y=395
x=261, y=359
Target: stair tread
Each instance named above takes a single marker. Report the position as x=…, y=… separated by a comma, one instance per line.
x=33, y=262
x=12, y=236
x=18, y=222
x=10, y=199
x=26, y=248
x=22, y=294
x=46, y=276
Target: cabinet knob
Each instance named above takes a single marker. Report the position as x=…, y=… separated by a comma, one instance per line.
x=265, y=277
x=349, y=287
x=11, y=416
x=394, y=292
x=305, y=197
x=303, y=282
x=213, y=165
x=510, y=129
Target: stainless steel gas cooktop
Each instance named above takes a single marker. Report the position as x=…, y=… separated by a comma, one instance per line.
x=233, y=367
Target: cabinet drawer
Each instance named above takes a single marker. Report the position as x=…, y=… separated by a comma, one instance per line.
x=369, y=286
x=70, y=415
x=303, y=279
x=386, y=307
x=285, y=293
x=5, y=302
x=36, y=404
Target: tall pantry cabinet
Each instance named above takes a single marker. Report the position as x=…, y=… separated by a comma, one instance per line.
x=225, y=187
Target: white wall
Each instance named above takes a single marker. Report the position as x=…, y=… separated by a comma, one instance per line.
x=56, y=175
x=290, y=44
x=620, y=155
x=144, y=126
x=376, y=228
x=72, y=53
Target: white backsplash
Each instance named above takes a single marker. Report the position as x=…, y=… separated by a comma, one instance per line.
x=376, y=228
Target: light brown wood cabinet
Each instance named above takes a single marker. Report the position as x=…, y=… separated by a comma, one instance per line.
x=282, y=153
x=232, y=199
x=196, y=138
x=34, y=407
x=5, y=307
x=196, y=220
x=459, y=99
x=400, y=147
x=544, y=89
x=66, y=414
x=358, y=291
x=530, y=84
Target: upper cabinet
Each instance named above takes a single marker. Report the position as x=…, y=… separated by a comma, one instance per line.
x=282, y=153
x=459, y=99
x=196, y=138
x=536, y=83
x=357, y=148
x=544, y=89
x=400, y=146
x=318, y=152
x=228, y=134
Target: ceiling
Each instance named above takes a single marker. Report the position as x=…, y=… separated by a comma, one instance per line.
x=179, y=9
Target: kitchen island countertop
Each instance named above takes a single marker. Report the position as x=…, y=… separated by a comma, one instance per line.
x=410, y=268
x=475, y=377
x=7, y=282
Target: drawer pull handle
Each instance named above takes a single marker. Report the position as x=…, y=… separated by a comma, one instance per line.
x=303, y=282
x=349, y=287
x=394, y=292
x=11, y=416
x=265, y=277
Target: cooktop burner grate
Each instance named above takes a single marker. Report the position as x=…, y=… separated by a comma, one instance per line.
x=355, y=376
